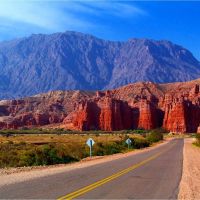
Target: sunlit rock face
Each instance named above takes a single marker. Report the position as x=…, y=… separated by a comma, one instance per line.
x=175, y=107
x=146, y=105
x=198, y=129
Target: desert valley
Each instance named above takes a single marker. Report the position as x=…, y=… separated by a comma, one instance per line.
x=99, y=100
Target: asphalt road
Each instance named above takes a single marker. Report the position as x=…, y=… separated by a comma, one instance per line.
x=154, y=174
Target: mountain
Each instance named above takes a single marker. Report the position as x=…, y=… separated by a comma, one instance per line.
x=73, y=60
x=146, y=105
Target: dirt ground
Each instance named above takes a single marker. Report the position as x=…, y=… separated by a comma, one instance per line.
x=190, y=182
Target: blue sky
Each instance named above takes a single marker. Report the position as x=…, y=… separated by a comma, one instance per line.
x=178, y=21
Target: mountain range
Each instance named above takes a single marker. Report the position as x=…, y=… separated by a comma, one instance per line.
x=72, y=60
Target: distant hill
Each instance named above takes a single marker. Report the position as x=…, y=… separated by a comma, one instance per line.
x=71, y=60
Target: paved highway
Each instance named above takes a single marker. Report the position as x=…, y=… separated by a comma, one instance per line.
x=154, y=174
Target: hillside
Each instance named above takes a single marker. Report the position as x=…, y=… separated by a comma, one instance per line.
x=76, y=61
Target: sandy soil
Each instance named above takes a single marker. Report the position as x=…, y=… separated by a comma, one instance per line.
x=190, y=182
x=15, y=175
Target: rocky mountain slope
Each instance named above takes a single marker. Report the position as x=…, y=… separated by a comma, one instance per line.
x=174, y=106
x=72, y=60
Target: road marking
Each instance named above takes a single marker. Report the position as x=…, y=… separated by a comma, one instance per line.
x=110, y=178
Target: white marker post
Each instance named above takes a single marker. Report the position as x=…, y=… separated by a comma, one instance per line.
x=90, y=142
x=128, y=141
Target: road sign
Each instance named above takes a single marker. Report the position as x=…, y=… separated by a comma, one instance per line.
x=128, y=141
x=90, y=142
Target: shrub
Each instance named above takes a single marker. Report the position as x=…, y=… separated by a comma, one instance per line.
x=160, y=130
x=139, y=143
x=154, y=137
x=140, y=131
x=17, y=154
x=197, y=142
x=113, y=147
x=20, y=154
x=22, y=143
x=109, y=148
x=24, y=128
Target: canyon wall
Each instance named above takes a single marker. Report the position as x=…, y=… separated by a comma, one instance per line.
x=175, y=107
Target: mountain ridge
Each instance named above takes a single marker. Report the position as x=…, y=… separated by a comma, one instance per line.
x=73, y=60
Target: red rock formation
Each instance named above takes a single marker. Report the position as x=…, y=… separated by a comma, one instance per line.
x=182, y=110
x=81, y=118
x=175, y=117
x=174, y=106
x=147, y=115
x=104, y=114
x=198, y=129
x=85, y=117
x=114, y=115
x=194, y=90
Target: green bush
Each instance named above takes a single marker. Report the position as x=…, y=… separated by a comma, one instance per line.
x=18, y=154
x=197, y=142
x=109, y=148
x=159, y=130
x=138, y=143
x=22, y=154
x=139, y=131
x=154, y=137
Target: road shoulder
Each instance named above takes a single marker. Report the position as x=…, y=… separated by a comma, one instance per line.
x=190, y=182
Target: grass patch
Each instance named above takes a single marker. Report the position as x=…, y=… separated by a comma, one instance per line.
x=138, y=143
x=19, y=150
x=26, y=154
x=197, y=142
x=154, y=136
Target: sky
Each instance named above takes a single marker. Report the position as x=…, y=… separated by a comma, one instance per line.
x=177, y=21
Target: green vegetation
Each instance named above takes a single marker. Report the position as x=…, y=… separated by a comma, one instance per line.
x=61, y=131
x=27, y=149
x=138, y=143
x=197, y=142
x=21, y=154
x=109, y=148
x=26, y=130
x=154, y=137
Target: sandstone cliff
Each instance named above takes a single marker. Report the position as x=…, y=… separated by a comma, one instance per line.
x=174, y=106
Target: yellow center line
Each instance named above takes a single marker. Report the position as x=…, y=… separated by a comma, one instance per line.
x=88, y=188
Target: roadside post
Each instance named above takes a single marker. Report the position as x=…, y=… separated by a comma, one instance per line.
x=128, y=141
x=90, y=142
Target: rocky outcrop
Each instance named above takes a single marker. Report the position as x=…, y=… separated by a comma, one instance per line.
x=182, y=110
x=198, y=129
x=175, y=107
x=85, y=117
x=147, y=115
x=115, y=115
x=102, y=114
x=175, y=117
x=30, y=119
x=176, y=110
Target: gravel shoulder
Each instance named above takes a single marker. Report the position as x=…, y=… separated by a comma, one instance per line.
x=15, y=175
x=190, y=182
